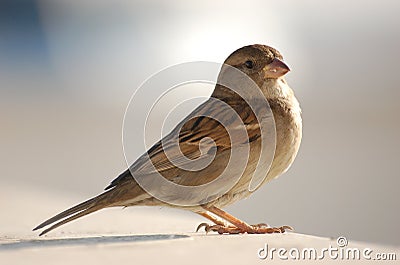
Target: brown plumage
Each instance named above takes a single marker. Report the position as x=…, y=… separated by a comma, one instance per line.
x=264, y=66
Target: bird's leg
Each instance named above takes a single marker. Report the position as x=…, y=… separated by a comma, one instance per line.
x=217, y=221
x=238, y=225
x=212, y=218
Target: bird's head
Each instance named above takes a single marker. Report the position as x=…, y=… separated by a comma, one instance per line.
x=263, y=64
x=260, y=62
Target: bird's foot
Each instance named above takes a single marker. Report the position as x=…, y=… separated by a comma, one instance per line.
x=251, y=229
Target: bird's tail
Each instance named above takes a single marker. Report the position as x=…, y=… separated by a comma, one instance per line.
x=99, y=202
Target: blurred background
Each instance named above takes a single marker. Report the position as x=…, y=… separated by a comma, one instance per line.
x=69, y=68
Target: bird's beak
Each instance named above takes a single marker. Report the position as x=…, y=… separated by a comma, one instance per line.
x=275, y=69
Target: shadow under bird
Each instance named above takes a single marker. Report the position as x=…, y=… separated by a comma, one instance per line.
x=265, y=67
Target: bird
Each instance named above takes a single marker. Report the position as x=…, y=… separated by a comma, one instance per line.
x=265, y=67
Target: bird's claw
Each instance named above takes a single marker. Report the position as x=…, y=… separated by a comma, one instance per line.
x=271, y=230
x=252, y=229
x=220, y=229
x=205, y=225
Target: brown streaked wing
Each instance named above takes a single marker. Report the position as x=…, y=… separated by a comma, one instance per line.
x=195, y=127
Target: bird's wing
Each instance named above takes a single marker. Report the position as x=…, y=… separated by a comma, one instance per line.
x=200, y=124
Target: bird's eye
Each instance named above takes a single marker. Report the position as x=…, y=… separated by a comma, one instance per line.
x=249, y=64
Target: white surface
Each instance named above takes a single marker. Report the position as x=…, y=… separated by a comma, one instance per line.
x=133, y=236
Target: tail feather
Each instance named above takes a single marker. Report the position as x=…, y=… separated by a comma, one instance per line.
x=82, y=209
x=69, y=219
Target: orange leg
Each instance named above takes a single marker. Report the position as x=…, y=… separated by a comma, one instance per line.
x=212, y=218
x=238, y=225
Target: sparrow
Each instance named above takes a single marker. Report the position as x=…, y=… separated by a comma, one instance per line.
x=214, y=119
